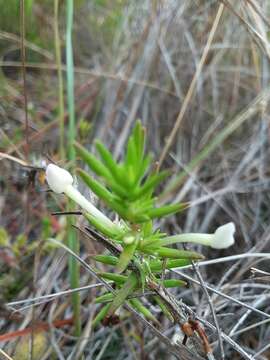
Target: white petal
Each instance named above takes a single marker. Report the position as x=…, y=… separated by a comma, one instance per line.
x=223, y=236
x=58, y=178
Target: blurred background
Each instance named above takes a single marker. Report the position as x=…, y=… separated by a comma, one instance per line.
x=196, y=72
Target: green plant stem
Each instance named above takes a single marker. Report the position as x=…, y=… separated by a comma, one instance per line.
x=70, y=81
x=72, y=240
x=61, y=106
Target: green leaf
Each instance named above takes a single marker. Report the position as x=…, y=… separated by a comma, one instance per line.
x=92, y=161
x=143, y=168
x=152, y=241
x=117, y=278
x=123, y=293
x=100, y=169
x=147, y=228
x=101, y=315
x=131, y=161
x=135, y=163
x=149, y=185
x=108, y=297
x=96, y=187
x=157, y=265
x=4, y=238
x=137, y=305
x=164, y=308
x=165, y=252
x=112, y=232
x=166, y=210
x=108, y=160
x=102, y=193
x=21, y=240
x=126, y=255
x=171, y=283
x=142, y=275
x=106, y=259
x=138, y=136
x=118, y=189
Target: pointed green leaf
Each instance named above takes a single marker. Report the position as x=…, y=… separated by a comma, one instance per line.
x=101, y=315
x=106, y=259
x=149, y=185
x=123, y=293
x=137, y=305
x=102, y=192
x=112, y=232
x=107, y=159
x=164, y=308
x=117, y=278
x=142, y=275
x=165, y=252
x=118, y=189
x=138, y=136
x=166, y=210
x=95, y=186
x=147, y=228
x=108, y=297
x=143, y=169
x=92, y=161
x=152, y=241
x=126, y=255
x=171, y=283
x=157, y=265
x=131, y=160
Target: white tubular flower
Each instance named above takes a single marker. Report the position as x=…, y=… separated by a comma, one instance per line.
x=222, y=238
x=60, y=181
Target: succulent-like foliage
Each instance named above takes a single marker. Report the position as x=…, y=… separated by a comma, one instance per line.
x=128, y=188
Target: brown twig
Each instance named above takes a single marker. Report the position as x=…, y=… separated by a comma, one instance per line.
x=213, y=311
x=35, y=328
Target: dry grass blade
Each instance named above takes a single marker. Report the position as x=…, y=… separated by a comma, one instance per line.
x=223, y=295
x=5, y=355
x=191, y=89
x=213, y=311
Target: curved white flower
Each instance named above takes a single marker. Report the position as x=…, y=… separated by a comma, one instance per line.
x=222, y=238
x=60, y=181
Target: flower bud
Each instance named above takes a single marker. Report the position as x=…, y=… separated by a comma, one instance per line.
x=57, y=178
x=223, y=236
x=60, y=181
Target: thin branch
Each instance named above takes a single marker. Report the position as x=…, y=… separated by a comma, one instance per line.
x=213, y=311
x=5, y=355
x=234, y=345
x=228, y=258
x=222, y=294
x=50, y=297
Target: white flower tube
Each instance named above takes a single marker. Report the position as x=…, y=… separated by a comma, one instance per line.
x=222, y=238
x=60, y=181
